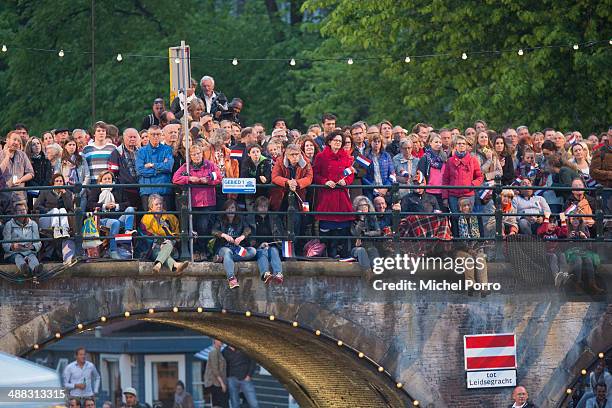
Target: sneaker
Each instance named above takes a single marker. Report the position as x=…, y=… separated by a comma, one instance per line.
x=65, y=232
x=70, y=262
x=266, y=278
x=233, y=282
x=279, y=278
x=25, y=271
x=38, y=269
x=559, y=279
x=57, y=233
x=180, y=266
x=115, y=255
x=157, y=267
x=217, y=259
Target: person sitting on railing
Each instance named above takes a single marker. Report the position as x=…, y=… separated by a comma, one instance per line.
x=380, y=171
x=41, y=166
x=584, y=203
x=461, y=170
x=205, y=173
x=230, y=232
x=364, y=227
x=509, y=222
x=257, y=166
x=108, y=200
x=549, y=231
x=15, y=170
x=333, y=167
x=22, y=253
x=467, y=228
x=161, y=225
x=582, y=261
x=268, y=254
x=432, y=166
x=154, y=166
x=526, y=202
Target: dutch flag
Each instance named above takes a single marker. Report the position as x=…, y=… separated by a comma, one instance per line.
x=571, y=139
x=214, y=176
x=571, y=209
x=305, y=206
x=348, y=171
x=123, y=238
x=532, y=171
x=485, y=193
x=236, y=154
x=517, y=181
x=364, y=161
x=287, y=249
x=242, y=251
x=419, y=177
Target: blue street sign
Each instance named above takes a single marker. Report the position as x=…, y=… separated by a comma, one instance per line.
x=239, y=186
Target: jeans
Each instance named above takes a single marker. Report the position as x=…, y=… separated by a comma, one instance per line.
x=229, y=257
x=31, y=260
x=114, y=224
x=248, y=389
x=364, y=256
x=269, y=258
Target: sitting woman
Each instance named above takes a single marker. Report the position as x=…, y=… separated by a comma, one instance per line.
x=108, y=200
x=56, y=201
x=268, y=255
x=365, y=226
x=509, y=222
x=22, y=253
x=204, y=173
x=583, y=203
x=161, y=225
x=230, y=231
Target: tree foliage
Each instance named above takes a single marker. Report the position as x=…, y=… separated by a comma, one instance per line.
x=549, y=87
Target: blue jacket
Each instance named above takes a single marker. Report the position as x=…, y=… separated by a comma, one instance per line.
x=385, y=163
x=161, y=172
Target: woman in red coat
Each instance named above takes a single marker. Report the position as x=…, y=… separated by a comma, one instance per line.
x=333, y=167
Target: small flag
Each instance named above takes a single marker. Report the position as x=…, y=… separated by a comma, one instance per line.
x=305, y=206
x=393, y=178
x=242, y=251
x=348, y=171
x=419, y=177
x=214, y=176
x=364, y=161
x=571, y=209
x=589, y=181
x=351, y=259
x=123, y=238
x=287, y=249
x=404, y=173
x=517, y=181
x=532, y=171
x=484, y=194
x=571, y=139
x=538, y=192
x=236, y=154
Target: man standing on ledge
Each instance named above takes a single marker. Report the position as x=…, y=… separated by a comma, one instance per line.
x=81, y=377
x=520, y=397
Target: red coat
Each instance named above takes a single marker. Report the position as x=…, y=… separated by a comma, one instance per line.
x=461, y=172
x=280, y=176
x=330, y=166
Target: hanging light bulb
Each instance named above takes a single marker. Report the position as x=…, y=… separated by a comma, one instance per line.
x=520, y=52
x=292, y=62
x=576, y=46
x=61, y=53
x=350, y=61
x=119, y=57
x=407, y=59
x=464, y=56
x=4, y=49
x=4, y=46
x=235, y=61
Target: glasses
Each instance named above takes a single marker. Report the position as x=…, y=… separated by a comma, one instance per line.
x=337, y=140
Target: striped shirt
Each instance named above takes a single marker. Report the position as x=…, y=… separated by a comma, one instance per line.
x=99, y=159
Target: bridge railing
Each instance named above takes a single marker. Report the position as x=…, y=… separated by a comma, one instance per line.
x=187, y=235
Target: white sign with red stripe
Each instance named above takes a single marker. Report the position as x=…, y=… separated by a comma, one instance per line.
x=489, y=351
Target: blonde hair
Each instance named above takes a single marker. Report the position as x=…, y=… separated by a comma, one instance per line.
x=508, y=193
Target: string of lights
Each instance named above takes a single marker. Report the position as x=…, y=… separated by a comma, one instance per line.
x=292, y=61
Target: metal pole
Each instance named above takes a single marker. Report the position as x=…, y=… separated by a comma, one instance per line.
x=93, y=61
x=186, y=83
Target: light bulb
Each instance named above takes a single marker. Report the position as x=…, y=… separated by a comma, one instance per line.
x=119, y=57
x=200, y=310
x=175, y=309
x=292, y=62
x=4, y=49
x=127, y=314
x=464, y=56
x=4, y=46
x=235, y=61
x=381, y=369
x=58, y=335
x=407, y=59
x=318, y=332
x=399, y=385
x=61, y=53
x=576, y=46
x=272, y=318
x=361, y=355
x=340, y=343
x=103, y=319
x=295, y=324
x=247, y=314
x=151, y=311
x=520, y=52
x=350, y=61
x=80, y=326
x=36, y=347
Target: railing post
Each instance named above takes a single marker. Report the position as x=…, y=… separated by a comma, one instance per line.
x=395, y=216
x=599, y=214
x=78, y=220
x=184, y=221
x=291, y=214
x=498, y=209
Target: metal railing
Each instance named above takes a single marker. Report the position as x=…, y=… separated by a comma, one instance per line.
x=186, y=234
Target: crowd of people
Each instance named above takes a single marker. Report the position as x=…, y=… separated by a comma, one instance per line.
x=363, y=172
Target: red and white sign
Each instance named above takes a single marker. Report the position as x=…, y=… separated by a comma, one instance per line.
x=489, y=351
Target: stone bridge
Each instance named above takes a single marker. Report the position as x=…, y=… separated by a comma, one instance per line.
x=325, y=334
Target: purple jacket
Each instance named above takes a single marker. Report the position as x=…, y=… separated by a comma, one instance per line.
x=204, y=196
